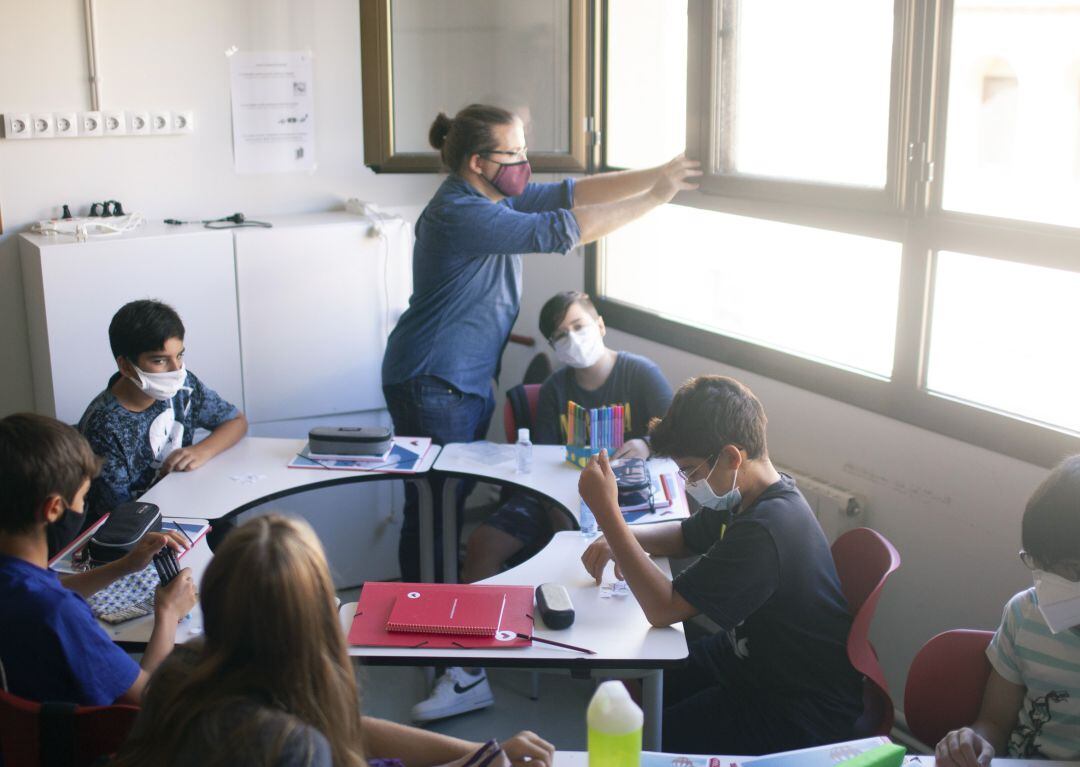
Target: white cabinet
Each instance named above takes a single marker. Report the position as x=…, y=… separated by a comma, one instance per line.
x=73, y=289
x=317, y=296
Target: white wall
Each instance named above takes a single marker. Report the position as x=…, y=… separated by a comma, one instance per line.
x=952, y=510
x=168, y=55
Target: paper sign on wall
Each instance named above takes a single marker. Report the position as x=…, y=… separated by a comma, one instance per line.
x=273, y=112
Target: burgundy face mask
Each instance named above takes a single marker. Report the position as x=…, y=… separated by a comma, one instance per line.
x=512, y=177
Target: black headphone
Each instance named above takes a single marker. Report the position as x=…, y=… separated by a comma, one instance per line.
x=226, y=222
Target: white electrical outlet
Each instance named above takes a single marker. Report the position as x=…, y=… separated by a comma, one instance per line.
x=66, y=124
x=43, y=125
x=138, y=123
x=114, y=123
x=90, y=124
x=161, y=122
x=183, y=122
x=17, y=125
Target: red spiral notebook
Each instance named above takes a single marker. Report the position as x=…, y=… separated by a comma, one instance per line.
x=442, y=616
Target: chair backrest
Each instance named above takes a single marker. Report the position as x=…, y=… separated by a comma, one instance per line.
x=514, y=416
x=48, y=734
x=945, y=683
x=864, y=559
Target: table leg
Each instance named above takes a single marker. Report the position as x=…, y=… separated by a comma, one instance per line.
x=426, y=513
x=449, y=530
x=652, y=699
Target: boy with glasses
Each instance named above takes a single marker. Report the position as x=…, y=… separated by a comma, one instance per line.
x=1031, y=704
x=777, y=676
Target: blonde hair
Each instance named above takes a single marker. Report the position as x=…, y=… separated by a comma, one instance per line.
x=271, y=635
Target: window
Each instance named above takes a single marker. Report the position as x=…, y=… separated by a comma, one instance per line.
x=890, y=218
x=530, y=56
x=645, y=67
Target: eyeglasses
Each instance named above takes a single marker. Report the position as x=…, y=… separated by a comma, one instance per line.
x=685, y=475
x=516, y=155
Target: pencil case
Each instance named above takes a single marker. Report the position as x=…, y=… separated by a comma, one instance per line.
x=579, y=455
x=350, y=440
x=125, y=527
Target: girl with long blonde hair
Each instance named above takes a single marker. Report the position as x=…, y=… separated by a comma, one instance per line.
x=271, y=683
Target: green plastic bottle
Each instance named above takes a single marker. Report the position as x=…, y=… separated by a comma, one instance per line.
x=614, y=722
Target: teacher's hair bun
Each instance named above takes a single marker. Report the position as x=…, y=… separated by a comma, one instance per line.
x=439, y=130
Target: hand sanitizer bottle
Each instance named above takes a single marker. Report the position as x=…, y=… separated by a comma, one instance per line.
x=615, y=724
x=523, y=450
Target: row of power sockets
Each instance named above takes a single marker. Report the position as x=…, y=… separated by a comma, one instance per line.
x=110, y=122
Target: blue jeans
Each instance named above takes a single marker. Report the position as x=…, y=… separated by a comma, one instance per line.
x=427, y=406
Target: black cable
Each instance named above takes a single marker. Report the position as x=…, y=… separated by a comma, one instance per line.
x=234, y=221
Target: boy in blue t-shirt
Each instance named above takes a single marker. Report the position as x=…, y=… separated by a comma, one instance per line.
x=1031, y=705
x=143, y=423
x=51, y=648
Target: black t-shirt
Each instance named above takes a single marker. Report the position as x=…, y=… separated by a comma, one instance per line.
x=633, y=379
x=769, y=581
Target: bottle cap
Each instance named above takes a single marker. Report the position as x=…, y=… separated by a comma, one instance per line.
x=523, y=435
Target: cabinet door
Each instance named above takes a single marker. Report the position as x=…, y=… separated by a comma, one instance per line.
x=73, y=290
x=314, y=318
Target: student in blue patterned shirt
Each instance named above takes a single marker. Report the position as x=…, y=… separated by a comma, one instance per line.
x=143, y=423
x=1031, y=705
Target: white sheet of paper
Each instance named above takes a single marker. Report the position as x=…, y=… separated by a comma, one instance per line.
x=273, y=111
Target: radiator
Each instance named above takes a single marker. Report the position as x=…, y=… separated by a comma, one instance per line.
x=837, y=509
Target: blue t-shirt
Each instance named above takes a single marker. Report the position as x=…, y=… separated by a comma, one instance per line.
x=134, y=445
x=51, y=646
x=634, y=380
x=467, y=279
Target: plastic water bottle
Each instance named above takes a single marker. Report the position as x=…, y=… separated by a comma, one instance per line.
x=614, y=722
x=523, y=450
x=586, y=521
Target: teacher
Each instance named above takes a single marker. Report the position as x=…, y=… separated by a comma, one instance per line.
x=446, y=349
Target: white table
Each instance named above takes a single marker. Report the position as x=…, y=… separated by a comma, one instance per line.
x=255, y=471
x=615, y=628
x=552, y=476
x=581, y=759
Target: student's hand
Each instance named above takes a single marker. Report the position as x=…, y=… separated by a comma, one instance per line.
x=963, y=748
x=178, y=598
x=596, y=558
x=150, y=544
x=599, y=491
x=184, y=459
x=674, y=178
x=528, y=748
x=634, y=448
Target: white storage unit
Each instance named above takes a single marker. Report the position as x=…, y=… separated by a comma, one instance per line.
x=73, y=289
x=288, y=323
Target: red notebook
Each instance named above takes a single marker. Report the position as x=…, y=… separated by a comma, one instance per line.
x=441, y=612
x=435, y=615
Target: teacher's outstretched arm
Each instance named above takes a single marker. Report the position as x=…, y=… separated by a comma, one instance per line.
x=606, y=202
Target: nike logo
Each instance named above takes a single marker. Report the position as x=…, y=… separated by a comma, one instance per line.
x=459, y=689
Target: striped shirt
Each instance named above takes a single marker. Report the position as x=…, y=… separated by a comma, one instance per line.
x=1025, y=652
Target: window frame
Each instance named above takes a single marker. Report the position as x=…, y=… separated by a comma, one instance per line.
x=913, y=216
x=377, y=83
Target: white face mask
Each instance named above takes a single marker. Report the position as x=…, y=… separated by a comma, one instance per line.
x=160, y=386
x=702, y=492
x=1059, y=600
x=580, y=348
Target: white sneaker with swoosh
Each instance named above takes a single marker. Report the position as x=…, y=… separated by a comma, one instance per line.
x=455, y=692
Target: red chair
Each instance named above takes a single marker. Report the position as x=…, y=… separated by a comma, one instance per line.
x=864, y=560
x=945, y=683
x=60, y=734
x=510, y=421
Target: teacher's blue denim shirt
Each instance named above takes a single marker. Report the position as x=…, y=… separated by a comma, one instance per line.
x=467, y=279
